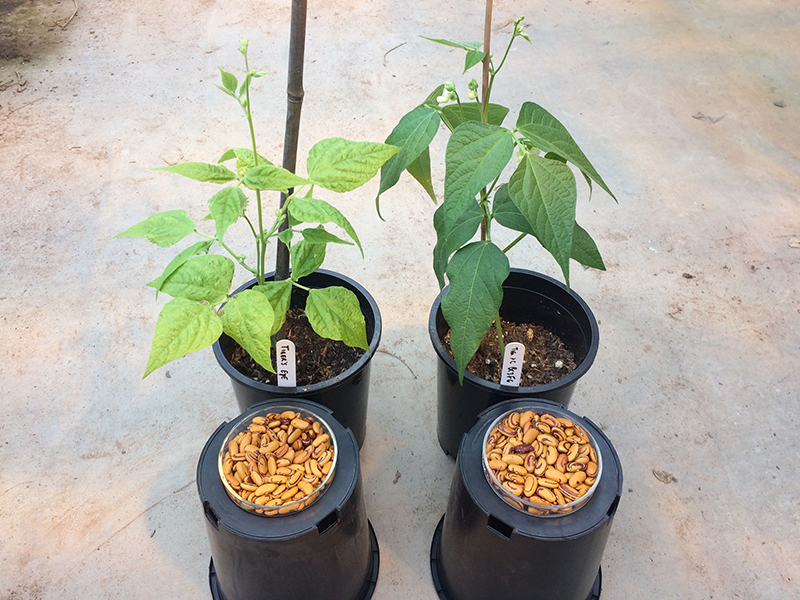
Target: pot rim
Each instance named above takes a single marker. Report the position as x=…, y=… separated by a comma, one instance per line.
x=322, y=385
x=530, y=390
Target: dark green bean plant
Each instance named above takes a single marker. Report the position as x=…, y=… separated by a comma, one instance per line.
x=199, y=281
x=538, y=200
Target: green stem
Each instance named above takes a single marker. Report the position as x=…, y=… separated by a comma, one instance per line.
x=500, y=342
x=514, y=243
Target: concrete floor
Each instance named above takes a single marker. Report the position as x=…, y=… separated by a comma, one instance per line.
x=689, y=110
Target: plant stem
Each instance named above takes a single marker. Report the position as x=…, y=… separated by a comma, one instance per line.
x=514, y=243
x=498, y=325
x=294, y=97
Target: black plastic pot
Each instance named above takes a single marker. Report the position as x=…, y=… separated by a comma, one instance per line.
x=327, y=550
x=346, y=394
x=527, y=297
x=485, y=548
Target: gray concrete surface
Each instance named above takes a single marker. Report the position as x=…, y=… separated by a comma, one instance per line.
x=675, y=102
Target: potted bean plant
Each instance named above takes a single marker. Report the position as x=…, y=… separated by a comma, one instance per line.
x=484, y=304
x=326, y=315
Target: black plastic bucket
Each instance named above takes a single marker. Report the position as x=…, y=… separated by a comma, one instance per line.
x=485, y=548
x=327, y=550
x=347, y=394
x=527, y=297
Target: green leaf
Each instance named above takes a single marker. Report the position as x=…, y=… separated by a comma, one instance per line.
x=286, y=236
x=307, y=257
x=270, y=177
x=182, y=327
x=544, y=192
x=455, y=43
x=420, y=170
x=470, y=111
x=506, y=213
x=308, y=210
x=226, y=206
x=430, y=101
x=244, y=160
x=203, y=278
x=248, y=318
x=279, y=294
x=342, y=166
x=548, y=134
x=476, y=275
x=164, y=228
x=413, y=134
x=476, y=155
x=198, y=248
x=335, y=313
x=201, y=172
x=228, y=80
x=473, y=58
x=448, y=240
x=318, y=235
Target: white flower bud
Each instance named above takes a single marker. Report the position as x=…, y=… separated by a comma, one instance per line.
x=472, y=95
x=450, y=86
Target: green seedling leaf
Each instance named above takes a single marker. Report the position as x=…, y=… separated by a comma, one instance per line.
x=198, y=248
x=204, y=278
x=183, y=326
x=286, y=236
x=248, y=318
x=420, y=169
x=335, y=313
x=476, y=275
x=473, y=58
x=318, y=235
x=430, y=101
x=413, y=134
x=584, y=250
x=455, y=43
x=270, y=177
x=163, y=229
x=456, y=114
x=450, y=240
x=308, y=210
x=279, y=294
x=307, y=257
x=244, y=160
x=342, y=166
x=201, y=172
x=226, y=206
x=476, y=155
x=228, y=80
x=547, y=133
x=544, y=192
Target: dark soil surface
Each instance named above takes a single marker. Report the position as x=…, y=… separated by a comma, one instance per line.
x=318, y=358
x=543, y=350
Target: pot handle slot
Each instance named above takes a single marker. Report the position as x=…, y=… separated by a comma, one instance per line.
x=504, y=530
x=613, y=508
x=328, y=522
x=211, y=515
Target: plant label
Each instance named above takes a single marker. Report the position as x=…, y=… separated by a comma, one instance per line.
x=512, y=364
x=287, y=372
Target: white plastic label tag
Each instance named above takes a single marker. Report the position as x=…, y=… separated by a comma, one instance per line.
x=512, y=364
x=287, y=372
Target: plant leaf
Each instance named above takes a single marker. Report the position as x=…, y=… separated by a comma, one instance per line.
x=334, y=313
x=473, y=58
x=548, y=134
x=279, y=294
x=244, y=160
x=228, y=80
x=476, y=275
x=163, y=229
x=308, y=210
x=204, y=278
x=430, y=101
x=270, y=177
x=476, y=155
x=506, y=213
x=307, y=257
x=413, y=134
x=318, y=235
x=450, y=240
x=183, y=326
x=455, y=43
x=342, y=166
x=470, y=111
x=420, y=169
x=201, y=172
x=198, y=248
x=248, y=318
x=544, y=192
x=226, y=206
